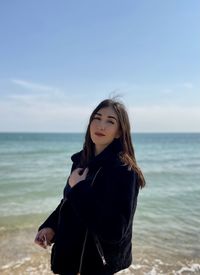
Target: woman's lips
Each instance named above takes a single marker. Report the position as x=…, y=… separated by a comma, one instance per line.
x=99, y=134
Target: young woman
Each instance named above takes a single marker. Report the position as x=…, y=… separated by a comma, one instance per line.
x=92, y=226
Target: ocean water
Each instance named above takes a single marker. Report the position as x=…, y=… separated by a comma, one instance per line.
x=33, y=172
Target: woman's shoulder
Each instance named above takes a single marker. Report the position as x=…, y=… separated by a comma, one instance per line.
x=120, y=169
x=77, y=156
x=123, y=178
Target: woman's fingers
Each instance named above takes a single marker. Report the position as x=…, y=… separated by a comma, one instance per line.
x=85, y=173
x=40, y=241
x=44, y=237
x=77, y=175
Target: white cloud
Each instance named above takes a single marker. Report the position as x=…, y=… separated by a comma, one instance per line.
x=178, y=88
x=44, y=116
x=167, y=91
x=36, y=87
x=32, y=115
x=188, y=85
x=165, y=119
x=53, y=110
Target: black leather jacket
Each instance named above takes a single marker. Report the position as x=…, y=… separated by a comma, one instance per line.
x=93, y=222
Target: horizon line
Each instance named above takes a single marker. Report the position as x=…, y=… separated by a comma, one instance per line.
x=59, y=132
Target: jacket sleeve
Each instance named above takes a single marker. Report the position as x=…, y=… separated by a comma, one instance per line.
x=109, y=216
x=52, y=220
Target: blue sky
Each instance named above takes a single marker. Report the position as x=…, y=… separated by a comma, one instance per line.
x=59, y=58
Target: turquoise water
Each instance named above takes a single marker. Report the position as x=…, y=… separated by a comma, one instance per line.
x=34, y=169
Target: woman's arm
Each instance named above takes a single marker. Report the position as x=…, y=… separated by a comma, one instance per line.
x=52, y=220
x=46, y=232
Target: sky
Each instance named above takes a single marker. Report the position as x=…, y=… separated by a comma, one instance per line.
x=60, y=58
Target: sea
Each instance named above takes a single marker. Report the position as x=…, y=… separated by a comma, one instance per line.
x=34, y=168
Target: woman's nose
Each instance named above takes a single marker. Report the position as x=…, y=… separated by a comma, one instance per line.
x=101, y=125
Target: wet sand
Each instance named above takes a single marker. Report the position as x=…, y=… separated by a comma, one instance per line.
x=20, y=256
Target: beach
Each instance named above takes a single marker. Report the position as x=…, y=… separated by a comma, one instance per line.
x=33, y=173
x=19, y=256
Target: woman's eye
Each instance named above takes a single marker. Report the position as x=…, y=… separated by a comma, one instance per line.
x=110, y=121
x=98, y=118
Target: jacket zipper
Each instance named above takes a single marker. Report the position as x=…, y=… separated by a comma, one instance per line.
x=97, y=242
x=95, y=176
x=99, y=248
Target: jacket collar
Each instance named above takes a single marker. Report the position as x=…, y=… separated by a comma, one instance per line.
x=107, y=156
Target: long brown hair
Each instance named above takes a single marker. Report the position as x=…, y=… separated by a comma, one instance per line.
x=127, y=154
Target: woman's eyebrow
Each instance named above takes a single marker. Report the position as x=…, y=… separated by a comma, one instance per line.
x=112, y=117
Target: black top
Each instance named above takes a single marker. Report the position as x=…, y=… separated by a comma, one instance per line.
x=97, y=214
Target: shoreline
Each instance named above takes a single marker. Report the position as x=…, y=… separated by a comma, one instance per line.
x=20, y=256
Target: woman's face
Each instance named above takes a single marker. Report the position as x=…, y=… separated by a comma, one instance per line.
x=104, y=128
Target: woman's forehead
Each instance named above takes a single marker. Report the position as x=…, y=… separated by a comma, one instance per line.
x=107, y=111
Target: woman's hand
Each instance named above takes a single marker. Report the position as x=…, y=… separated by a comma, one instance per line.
x=77, y=175
x=44, y=237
